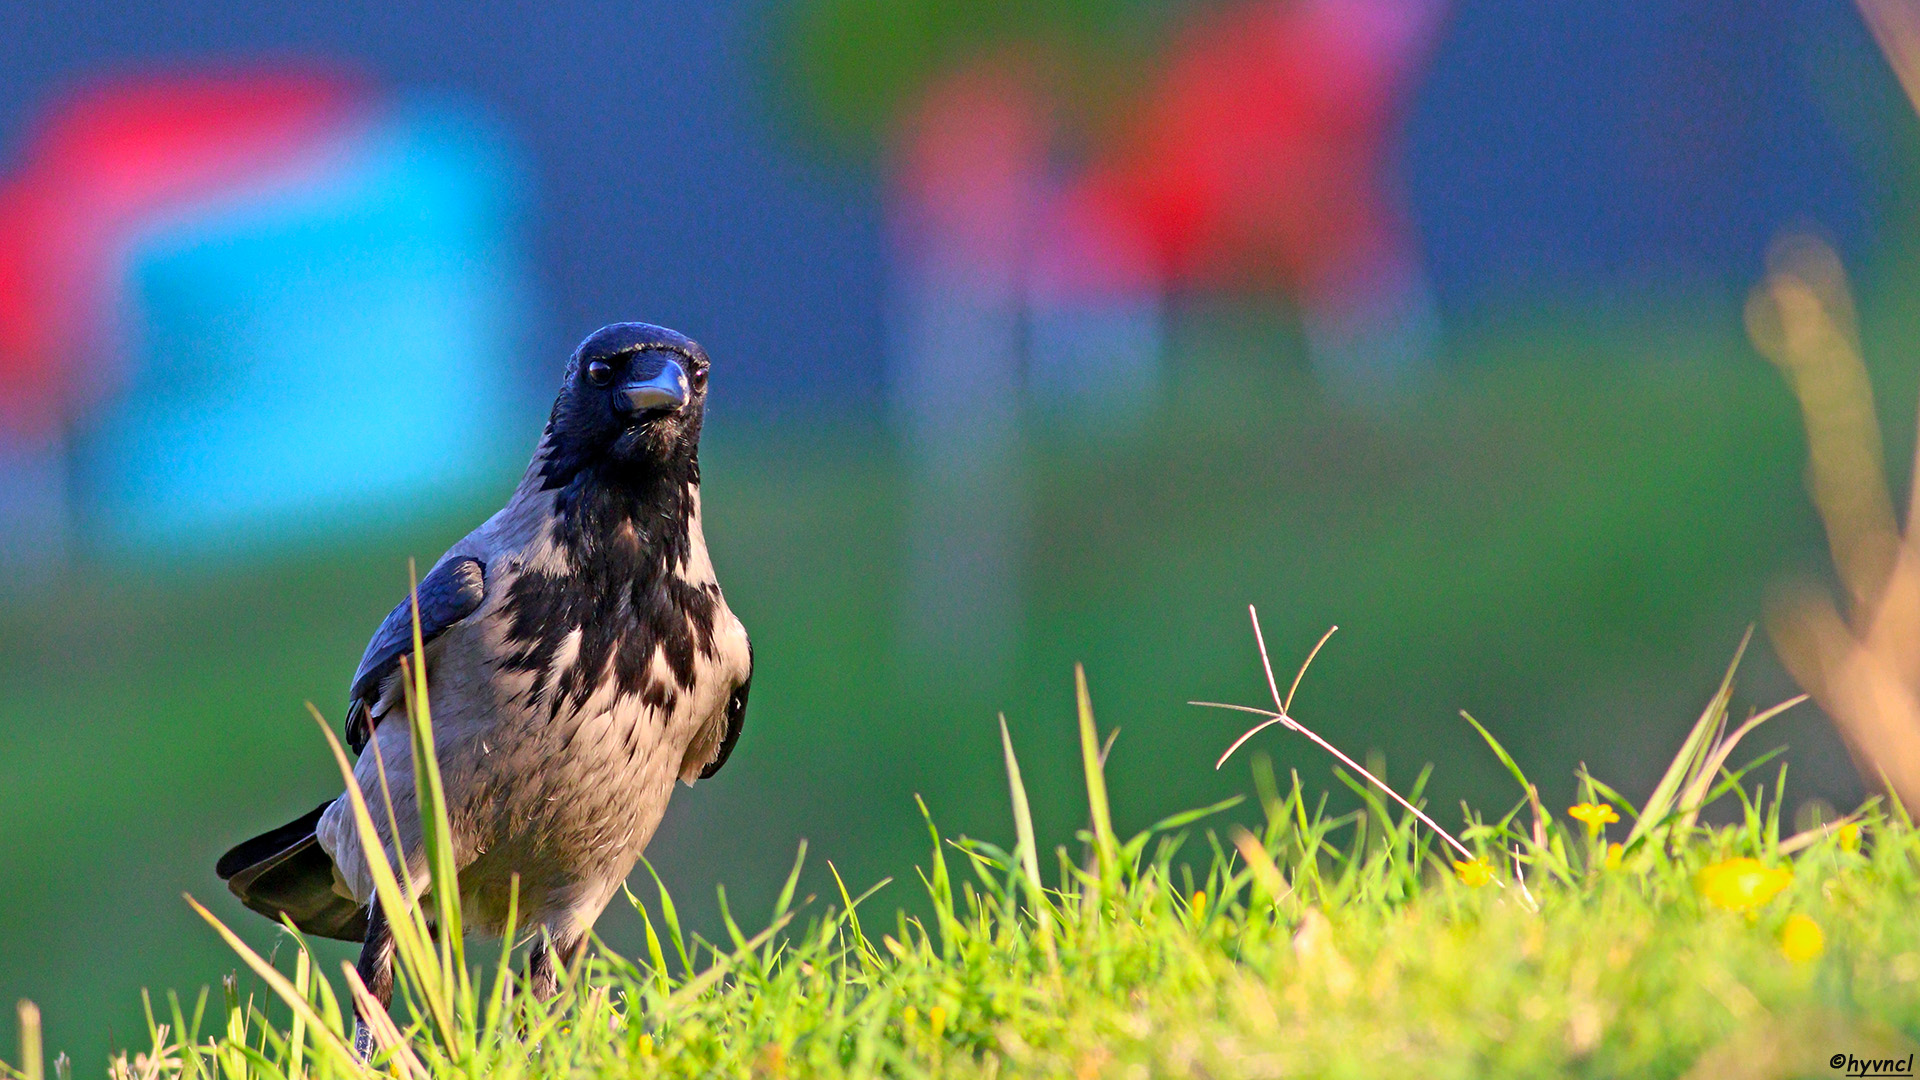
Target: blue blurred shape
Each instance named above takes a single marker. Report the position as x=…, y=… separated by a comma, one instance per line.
x=318, y=352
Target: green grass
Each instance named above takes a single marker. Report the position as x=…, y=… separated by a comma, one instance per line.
x=1359, y=944
x=1564, y=537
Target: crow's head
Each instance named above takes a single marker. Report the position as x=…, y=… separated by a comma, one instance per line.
x=634, y=397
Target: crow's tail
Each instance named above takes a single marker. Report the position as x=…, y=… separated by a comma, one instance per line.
x=287, y=872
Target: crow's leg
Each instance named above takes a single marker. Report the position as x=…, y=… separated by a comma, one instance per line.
x=553, y=951
x=376, y=970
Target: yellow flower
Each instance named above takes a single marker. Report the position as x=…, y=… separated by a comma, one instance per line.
x=937, y=1019
x=1801, y=939
x=1473, y=873
x=1850, y=836
x=1199, y=905
x=1741, y=884
x=1614, y=852
x=1597, y=815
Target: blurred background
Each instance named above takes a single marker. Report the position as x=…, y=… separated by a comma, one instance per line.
x=1043, y=332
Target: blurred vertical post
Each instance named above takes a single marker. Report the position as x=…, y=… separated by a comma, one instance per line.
x=1096, y=313
x=35, y=512
x=964, y=187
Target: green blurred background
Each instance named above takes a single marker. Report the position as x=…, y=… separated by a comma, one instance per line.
x=1564, y=528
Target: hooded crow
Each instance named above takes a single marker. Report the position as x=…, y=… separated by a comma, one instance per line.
x=580, y=659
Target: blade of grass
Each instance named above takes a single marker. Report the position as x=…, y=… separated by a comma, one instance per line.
x=1499, y=752
x=503, y=975
x=1809, y=837
x=1692, y=753
x=722, y=964
x=940, y=887
x=385, y=1034
x=781, y=903
x=656, y=956
x=671, y=917
x=1261, y=864
x=414, y=951
x=1695, y=796
x=1025, y=849
x=327, y=1038
x=1106, y=847
x=32, y=1057
x=436, y=827
x=302, y=985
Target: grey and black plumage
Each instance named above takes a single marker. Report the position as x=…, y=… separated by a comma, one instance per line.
x=580, y=660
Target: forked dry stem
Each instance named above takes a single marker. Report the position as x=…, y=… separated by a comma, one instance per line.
x=1281, y=717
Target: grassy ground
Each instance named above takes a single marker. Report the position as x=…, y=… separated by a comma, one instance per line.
x=1565, y=536
x=1608, y=940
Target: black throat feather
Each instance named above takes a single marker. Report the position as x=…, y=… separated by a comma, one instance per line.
x=621, y=528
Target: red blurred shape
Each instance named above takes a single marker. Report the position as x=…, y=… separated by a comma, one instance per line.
x=107, y=159
x=1262, y=150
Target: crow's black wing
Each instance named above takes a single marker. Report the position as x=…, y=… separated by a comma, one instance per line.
x=449, y=593
x=736, y=719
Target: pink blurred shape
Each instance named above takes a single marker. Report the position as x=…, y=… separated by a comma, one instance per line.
x=109, y=159
x=968, y=165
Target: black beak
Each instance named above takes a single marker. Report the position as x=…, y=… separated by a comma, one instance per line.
x=665, y=391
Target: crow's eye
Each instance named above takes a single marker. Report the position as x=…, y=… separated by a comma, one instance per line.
x=599, y=373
